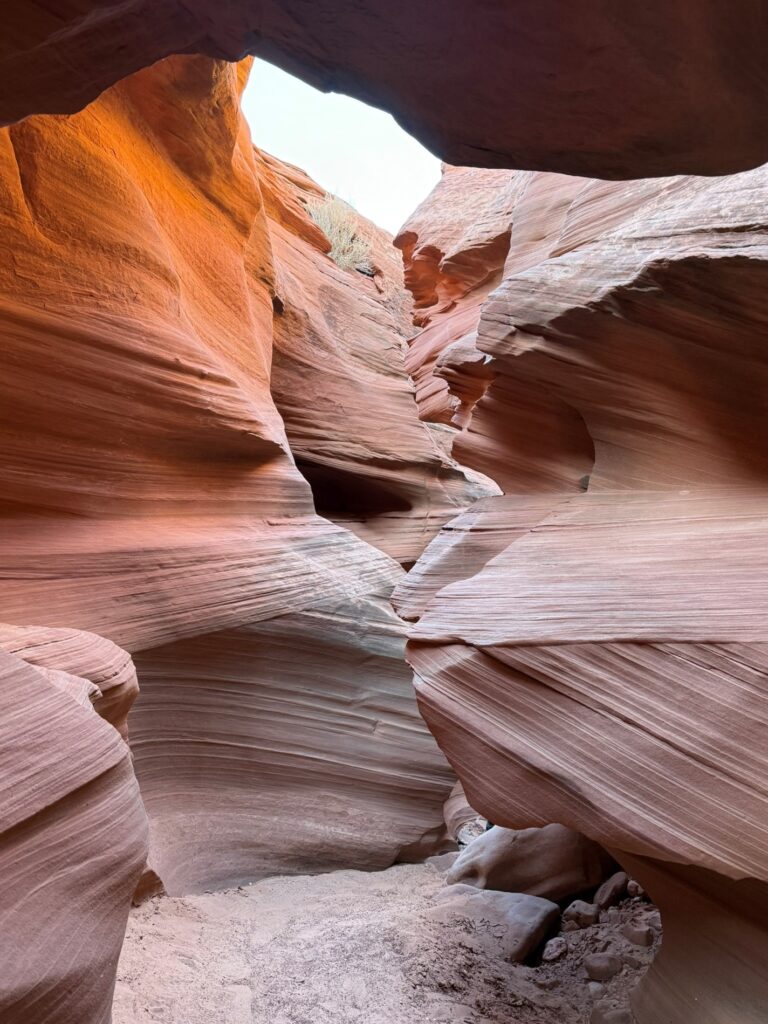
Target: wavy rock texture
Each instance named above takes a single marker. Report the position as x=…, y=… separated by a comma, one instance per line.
x=523, y=85
x=72, y=827
x=598, y=658
x=340, y=382
x=515, y=431
x=151, y=494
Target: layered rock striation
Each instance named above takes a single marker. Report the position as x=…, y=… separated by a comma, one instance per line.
x=340, y=382
x=73, y=832
x=590, y=648
x=151, y=494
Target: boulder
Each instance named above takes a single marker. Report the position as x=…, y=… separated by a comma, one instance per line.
x=554, y=862
x=509, y=925
x=612, y=891
x=580, y=914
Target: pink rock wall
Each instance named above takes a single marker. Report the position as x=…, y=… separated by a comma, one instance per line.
x=597, y=658
x=73, y=832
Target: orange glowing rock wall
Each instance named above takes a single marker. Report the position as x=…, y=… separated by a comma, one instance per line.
x=152, y=495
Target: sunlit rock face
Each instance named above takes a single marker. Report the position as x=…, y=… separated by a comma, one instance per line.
x=151, y=495
x=590, y=648
x=73, y=832
x=658, y=88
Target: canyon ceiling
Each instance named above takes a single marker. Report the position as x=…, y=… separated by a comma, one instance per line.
x=662, y=87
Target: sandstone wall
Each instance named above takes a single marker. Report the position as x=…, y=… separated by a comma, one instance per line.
x=590, y=648
x=73, y=832
x=152, y=496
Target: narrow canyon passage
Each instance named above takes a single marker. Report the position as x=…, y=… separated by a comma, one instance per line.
x=383, y=620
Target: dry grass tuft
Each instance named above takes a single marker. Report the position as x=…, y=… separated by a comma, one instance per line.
x=337, y=220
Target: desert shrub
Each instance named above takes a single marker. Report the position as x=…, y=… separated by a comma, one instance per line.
x=337, y=220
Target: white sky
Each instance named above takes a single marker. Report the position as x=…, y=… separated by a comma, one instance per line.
x=349, y=148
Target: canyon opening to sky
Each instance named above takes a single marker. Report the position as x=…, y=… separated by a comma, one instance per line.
x=350, y=149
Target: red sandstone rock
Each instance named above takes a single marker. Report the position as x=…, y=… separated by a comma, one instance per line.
x=657, y=88
x=457, y=248
x=602, y=666
x=72, y=831
x=340, y=383
x=107, y=668
x=458, y=814
x=612, y=890
x=150, y=494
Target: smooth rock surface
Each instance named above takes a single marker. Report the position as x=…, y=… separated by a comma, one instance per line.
x=151, y=496
x=553, y=862
x=612, y=890
x=511, y=925
x=340, y=383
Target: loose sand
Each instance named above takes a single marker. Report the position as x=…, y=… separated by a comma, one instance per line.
x=344, y=948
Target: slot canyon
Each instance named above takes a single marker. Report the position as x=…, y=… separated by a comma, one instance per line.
x=385, y=644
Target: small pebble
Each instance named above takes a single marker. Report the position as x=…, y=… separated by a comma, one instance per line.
x=634, y=888
x=638, y=934
x=632, y=960
x=554, y=950
x=654, y=921
x=610, y=1015
x=546, y=983
x=601, y=966
x=581, y=914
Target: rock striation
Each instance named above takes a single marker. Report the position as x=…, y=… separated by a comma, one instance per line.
x=589, y=649
x=340, y=383
x=667, y=87
x=152, y=497
x=73, y=832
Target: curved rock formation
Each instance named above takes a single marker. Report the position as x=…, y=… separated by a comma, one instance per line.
x=340, y=382
x=476, y=229
x=659, y=88
x=71, y=653
x=597, y=658
x=151, y=494
x=72, y=826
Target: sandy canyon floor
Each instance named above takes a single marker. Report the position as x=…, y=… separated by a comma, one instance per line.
x=349, y=948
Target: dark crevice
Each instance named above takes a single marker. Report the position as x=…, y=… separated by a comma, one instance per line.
x=341, y=493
